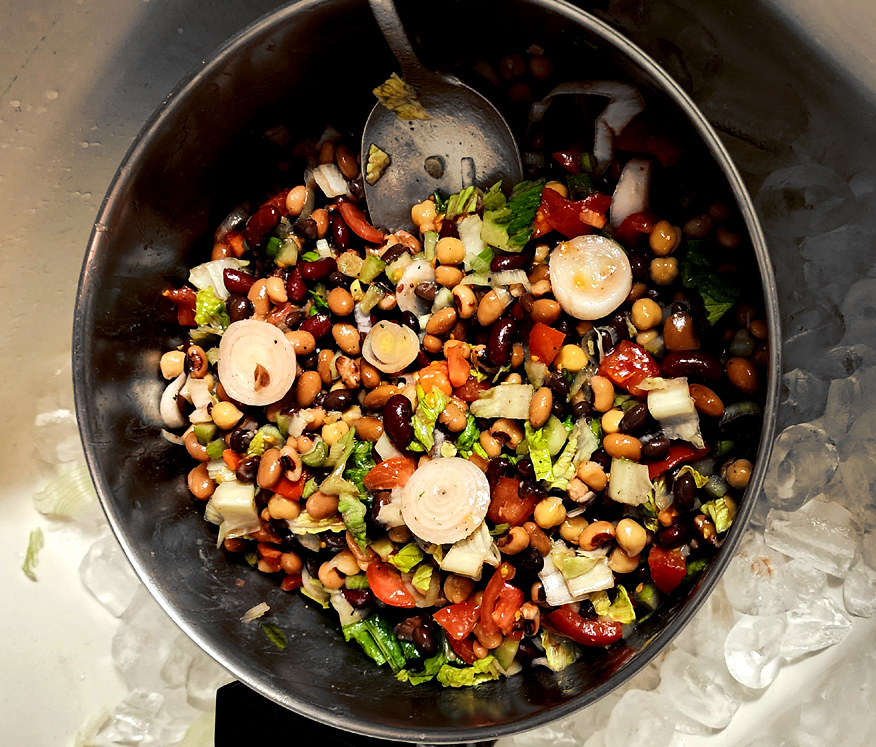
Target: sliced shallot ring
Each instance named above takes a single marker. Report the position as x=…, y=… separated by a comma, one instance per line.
x=624, y=103
x=632, y=190
x=445, y=500
x=419, y=271
x=168, y=408
x=256, y=362
x=390, y=347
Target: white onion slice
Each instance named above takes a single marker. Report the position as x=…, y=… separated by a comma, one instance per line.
x=418, y=271
x=251, y=349
x=390, y=347
x=445, y=500
x=632, y=190
x=590, y=276
x=168, y=408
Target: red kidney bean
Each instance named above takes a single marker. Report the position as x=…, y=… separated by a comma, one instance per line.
x=358, y=598
x=671, y=536
x=448, y=229
x=237, y=281
x=500, y=341
x=423, y=358
x=296, y=290
x=318, y=270
x=503, y=262
x=397, y=414
x=260, y=224
x=319, y=325
x=339, y=232
x=691, y=363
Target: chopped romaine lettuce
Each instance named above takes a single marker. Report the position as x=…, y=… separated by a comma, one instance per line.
x=467, y=557
x=232, y=507
x=359, y=464
x=468, y=438
x=431, y=667
x=508, y=223
x=628, y=482
x=469, y=229
x=406, y=558
x=303, y=524
x=353, y=512
x=31, y=556
x=559, y=651
x=462, y=203
x=721, y=511
x=621, y=609
x=422, y=578
x=600, y=602
x=670, y=403
x=564, y=469
x=483, y=670
x=698, y=478
x=503, y=401
x=429, y=407
x=313, y=589
x=538, y=452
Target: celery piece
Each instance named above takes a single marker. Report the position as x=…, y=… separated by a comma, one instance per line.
x=358, y=581
x=283, y=421
x=371, y=298
x=31, y=557
x=205, y=432
x=215, y=448
x=275, y=635
x=273, y=247
x=288, y=254
x=430, y=239
x=371, y=268
x=316, y=456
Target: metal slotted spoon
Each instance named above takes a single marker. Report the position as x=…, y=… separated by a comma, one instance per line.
x=465, y=142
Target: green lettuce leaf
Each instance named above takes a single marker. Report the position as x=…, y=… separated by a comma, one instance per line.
x=462, y=203
x=600, y=601
x=422, y=578
x=621, y=609
x=406, y=558
x=31, y=556
x=266, y=437
x=564, y=469
x=508, y=223
x=559, y=651
x=359, y=464
x=720, y=512
x=209, y=310
x=466, y=440
x=353, y=512
x=483, y=670
x=699, y=479
x=431, y=667
x=429, y=407
x=539, y=452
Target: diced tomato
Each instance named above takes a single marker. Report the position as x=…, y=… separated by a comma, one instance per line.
x=544, y=343
x=507, y=506
x=390, y=474
x=292, y=582
x=387, y=585
x=464, y=649
x=645, y=135
x=634, y=227
x=668, y=568
x=458, y=620
x=501, y=601
x=268, y=552
x=458, y=367
x=234, y=239
x=678, y=454
x=184, y=299
x=570, y=159
x=358, y=223
x=628, y=365
x=557, y=213
x=232, y=459
x=472, y=388
x=586, y=632
x=436, y=374
x=279, y=201
x=289, y=489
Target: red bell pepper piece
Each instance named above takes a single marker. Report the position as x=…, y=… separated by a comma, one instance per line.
x=545, y=342
x=291, y=582
x=501, y=601
x=570, y=159
x=586, y=632
x=634, y=227
x=358, y=223
x=289, y=489
x=678, y=454
x=668, y=568
x=464, y=649
x=184, y=299
x=627, y=365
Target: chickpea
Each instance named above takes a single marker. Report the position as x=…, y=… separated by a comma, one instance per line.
x=648, y=336
x=283, y=508
x=570, y=529
x=739, y=473
x=295, y=200
x=200, y=483
x=441, y=322
x=226, y=415
x=549, y=512
x=172, y=363
x=308, y=386
x=664, y=238
x=492, y=305
x=320, y=217
x=596, y=535
x=302, y=342
x=646, y=314
x=303, y=444
x=514, y=542
x=369, y=429
x=320, y=506
x=663, y=271
x=546, y=311
x=541, y=253
x=620, y=562
x=448, y=276
x=631, y=536
x=276, y=290
x=458, y=588
x=592, y=475
x=423, y=213
x=334, y=432
x=465, y=301
x=572, y=358
x=622, y=446
x=449, y=251
x=340, y=301
x=603, y=393
x=347, y=338
x=540, y=407
x=196, y=450
x=611, y=420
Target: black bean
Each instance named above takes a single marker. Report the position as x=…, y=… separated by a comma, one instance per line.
x=528, y=488
x=618, y=322
x=638, y=265
x=503, y=262
x=527, y=652
x=306, y=227
x=397, y=414
x=558, y=386
x=248, y=469
x=424, y=640
x=497, y=468
x=239, y=307
x=581, y=409
x=525, y=469
x=655, y=449
x=339, y=232
x=684, y=491
x=294, y=317
x=358, y=598
x=238, y=440
x=335, y=541
x=500, y=342
x=339, y=280
x=427, y=291
x=394, y=252
x=319, y=399
x=409, y=319
x=529, y=560
x=312, y=563
x=634, y=419
x=606, y=340
x=558, y=409
x=671, y=536
x=339, y=400
x=381, y=498
x=601, y=458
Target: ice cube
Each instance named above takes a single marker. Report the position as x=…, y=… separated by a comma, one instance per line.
x=802, y=463
x=854, y=484
x=859, y=313
x=131, y=722
x=701, y=689
x=753, y=650
x=106, y=573
x=176, y=666
x=844, y=399
x=836, y=259
x=641, y=719
x=859, y=590
x=814, y=624
x=821, y=532
x=809, y=332
x=804, y=200
x=868, y=549
x=143, y=641
x=804, y=397
x=753, y=583
x=204, y=678
x=801, y=579
x=711, y=623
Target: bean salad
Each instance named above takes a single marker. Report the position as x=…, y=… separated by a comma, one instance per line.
x=507, y=431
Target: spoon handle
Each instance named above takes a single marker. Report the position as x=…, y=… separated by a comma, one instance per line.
x=393, y=31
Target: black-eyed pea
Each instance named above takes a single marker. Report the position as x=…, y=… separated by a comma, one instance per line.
x=270, y=469
x=291, y=563
x=433, y=344
x=283, y=508
x=172, y=363
x=592, y=475
x=596, y=535
x=571, y=528
x=195, y=449
x=196, y=363
x=329, y=576
x=458, y=588
x=448, y=276
x=508, y=432
x=611, y=420
x=441, y=322
x=514, y=542
x=490, y=444
x=620, y=562
x=622, y=446
x=631, y=536
x=549, y=512
x=492, y=305
x=453, y=417
x=465, y=301
x=540, y=407
x=603, y=393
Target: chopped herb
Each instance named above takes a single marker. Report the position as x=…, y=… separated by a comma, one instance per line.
x=275, y=635
x=31, y=556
